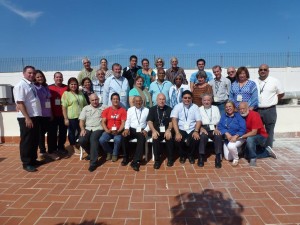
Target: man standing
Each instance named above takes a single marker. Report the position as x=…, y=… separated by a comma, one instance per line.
x=130, y=72
x=256, y=136
x=193, y=78
x=269, y=92
x=221, y=88
x=186, y=121
x=113, y=121
x=116, y=84
x=98, y=84
x=29, y=107
x=231, y=71
x=135, y=127
x=91, y=129
x=57, y=124
x=160, y=86
x=87, y=71
x=160, y=124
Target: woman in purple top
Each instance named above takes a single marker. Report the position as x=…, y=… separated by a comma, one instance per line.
x=44, y=95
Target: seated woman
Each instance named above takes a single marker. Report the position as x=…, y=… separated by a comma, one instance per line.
x=87, y=88
x=243, y=89
x=210, y=118
x=147, y=73
x=232, y=126
x=139, y=90
x=201, y=88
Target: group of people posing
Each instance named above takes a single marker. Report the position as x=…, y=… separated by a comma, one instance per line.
x=141, y=103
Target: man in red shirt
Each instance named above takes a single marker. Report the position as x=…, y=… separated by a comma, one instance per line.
x=256, y=135
x=113, y=122
x=56, y=144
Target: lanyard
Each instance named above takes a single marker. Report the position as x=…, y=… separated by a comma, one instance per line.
x=262, y=89
x=77, y=99
x=210, y=118
x=160, y=90
x=217, y=86
x=186, y=115
x=32, y=88
x=119, y=84
x=138, y=119
x=162, y=119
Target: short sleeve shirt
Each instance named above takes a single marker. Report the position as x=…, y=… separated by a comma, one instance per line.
x=114, y=117
x=160, y=116
x=92, y=117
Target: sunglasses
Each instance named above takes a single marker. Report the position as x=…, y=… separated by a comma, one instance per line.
x=263, y=69
x=230, y=72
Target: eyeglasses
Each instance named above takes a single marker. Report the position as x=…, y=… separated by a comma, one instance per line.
x=159, y=61
x=263, y=69
x=187, y=97
x=230, y=71
x=178, y=79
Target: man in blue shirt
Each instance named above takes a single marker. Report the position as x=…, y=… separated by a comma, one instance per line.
x=160, y=86
x=186, y=121
x=116, y=84
x=193, y=78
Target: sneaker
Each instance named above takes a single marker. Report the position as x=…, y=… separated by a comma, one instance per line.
x=271, y=152
x=114, y=158
x=53, y=156
x=235, y=162
x=252, y=162
x=108, y=156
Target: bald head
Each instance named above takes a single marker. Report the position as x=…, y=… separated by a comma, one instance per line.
x=244, y=109
x=94, y=100
x=161, y=100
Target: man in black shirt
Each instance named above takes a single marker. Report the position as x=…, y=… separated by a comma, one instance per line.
x=160, y=123
x=130, y=71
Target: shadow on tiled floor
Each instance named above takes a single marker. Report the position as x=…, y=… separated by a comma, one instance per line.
x=64, y=192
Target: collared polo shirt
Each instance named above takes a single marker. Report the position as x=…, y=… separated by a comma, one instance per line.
x=221, y=89
x=157, y=88
x=136, y=117
x=92, y=117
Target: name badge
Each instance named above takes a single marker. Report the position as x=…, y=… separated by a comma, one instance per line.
x=122, y=93
x=162, y=129
x=57, y=101
x=100, y=99
x=47, y=105
x=138, y=129
x=216, y=99
x=239, y=98
x=211, y=127
x=186, y=126
x=114, y=128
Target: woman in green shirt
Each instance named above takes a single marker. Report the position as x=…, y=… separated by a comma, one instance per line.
x=73, y=102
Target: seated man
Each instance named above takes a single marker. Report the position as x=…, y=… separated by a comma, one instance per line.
x=186, y=121
x=135, y=128
x=210, y=118
x=256, y=135
x=91, y=129
x=160, y=123
x=113, y=121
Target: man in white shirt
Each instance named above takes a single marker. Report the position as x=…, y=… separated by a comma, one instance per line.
x=210, y=118
x=186, y=121
x=269, y=92
x=135, y=127
x=29, y=107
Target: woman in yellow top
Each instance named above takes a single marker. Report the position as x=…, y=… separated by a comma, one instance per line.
x=73, y=102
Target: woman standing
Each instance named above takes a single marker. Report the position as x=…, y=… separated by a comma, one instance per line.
x=104, y=66
x=243, y=89
x=44, y=95
x=201, y=88
x=72, y=103
x=147, y=73
x=139, y=90
x=232, y=126
x=87, y=88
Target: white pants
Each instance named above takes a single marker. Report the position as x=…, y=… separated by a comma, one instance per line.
x=231, y=149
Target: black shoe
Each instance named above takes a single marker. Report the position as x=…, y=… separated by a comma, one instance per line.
x=201, y=160
x=124, y=162
x=191, y=160
x=135, y=166
x=218, y=161
x=170, y=163
x=156, y=165
x=62, y=151
x=29, y=168
x=92, y=168
x=88, y=157
x=182, y=160
x=38, y=163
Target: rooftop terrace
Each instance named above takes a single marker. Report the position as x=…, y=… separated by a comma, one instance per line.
x=64, y=192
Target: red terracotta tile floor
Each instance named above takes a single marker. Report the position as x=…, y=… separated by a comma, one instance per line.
x=65, y=192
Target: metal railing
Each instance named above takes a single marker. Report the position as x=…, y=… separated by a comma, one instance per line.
x=187, y=61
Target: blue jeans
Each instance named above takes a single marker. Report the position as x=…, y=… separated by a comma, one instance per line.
x=255, y=147
x=105, y=137
x=74, y=131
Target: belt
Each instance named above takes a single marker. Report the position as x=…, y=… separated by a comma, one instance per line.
x=264, y=108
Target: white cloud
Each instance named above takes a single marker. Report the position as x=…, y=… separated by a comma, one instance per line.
x=221, y=42
x=28, y=15
x=192, y=44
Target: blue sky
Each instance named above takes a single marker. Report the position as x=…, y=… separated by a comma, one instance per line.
x=112, y=27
